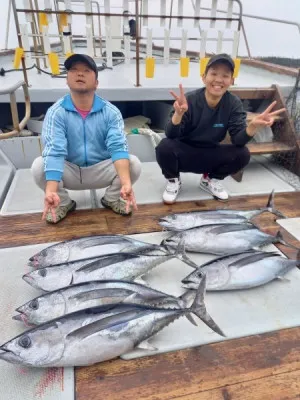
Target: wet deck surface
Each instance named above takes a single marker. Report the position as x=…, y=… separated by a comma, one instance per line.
x=258, y=367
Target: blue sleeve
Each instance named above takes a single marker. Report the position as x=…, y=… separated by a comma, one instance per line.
x=116, y=141
x=55, y=143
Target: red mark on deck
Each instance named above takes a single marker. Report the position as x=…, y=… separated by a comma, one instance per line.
x=51, y=380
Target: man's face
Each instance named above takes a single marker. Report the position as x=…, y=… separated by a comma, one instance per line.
x=81, y=78
x=218, y=79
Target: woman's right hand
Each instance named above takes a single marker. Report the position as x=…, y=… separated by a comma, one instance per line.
x=180, y=105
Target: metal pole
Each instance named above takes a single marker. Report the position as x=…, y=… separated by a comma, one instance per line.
x=7, y=25
x=137, y=44
x=246, y=40
x=41, y=37
x=32, y=24
x=19, y=40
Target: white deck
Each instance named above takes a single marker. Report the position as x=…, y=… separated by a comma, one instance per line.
x=25, y=197
x=119, y=84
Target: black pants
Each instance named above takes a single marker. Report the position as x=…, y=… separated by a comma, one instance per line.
x=174, y=156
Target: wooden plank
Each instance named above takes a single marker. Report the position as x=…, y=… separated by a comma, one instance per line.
x=253, y=94
x=20, y=230
x=185, y=373
x=269, y=147
x=284, y=386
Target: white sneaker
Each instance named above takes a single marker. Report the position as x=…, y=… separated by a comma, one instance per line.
x=214, y=187
x=172, y=190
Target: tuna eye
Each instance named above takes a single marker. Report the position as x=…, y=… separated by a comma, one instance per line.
x=42, y=272
x=34, y=304
x=25, y=342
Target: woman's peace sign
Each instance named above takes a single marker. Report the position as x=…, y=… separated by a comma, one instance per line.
x=180, y=105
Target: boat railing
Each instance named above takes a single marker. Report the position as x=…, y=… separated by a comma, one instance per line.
x=17, y=125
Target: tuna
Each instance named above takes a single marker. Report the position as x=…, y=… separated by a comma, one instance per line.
x=223, y=239
x=188, y=220
x=241, y=271
x=91, y=294
x=80, y=249
x=97, y=334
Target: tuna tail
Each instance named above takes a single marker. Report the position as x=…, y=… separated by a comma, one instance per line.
x=198, y=308
x=279, y=239
x=271, y=207
x=298, y=259
x=181, y=255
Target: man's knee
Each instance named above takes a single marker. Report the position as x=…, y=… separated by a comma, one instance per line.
x=135, y=167
x=37, y=170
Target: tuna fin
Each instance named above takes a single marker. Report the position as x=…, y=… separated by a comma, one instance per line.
x=145, y=345
x=187, y=297
x=104, y=323
x=101, y=293
x=141, y=281
x=279, y=239
x=181, y=255
x=199, y=309
x=283, y=278
x=249, y=259
x=271, y=207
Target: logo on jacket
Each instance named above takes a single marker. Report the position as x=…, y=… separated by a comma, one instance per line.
x=218, y=126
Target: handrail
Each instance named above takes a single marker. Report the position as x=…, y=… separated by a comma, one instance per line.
x=282, y=21
x=18, y=126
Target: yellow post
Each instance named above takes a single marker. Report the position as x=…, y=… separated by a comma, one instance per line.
x=54, y=63
x=43, y=19
x=19, y=53
x=184, y=67
x=63, y=21
x=69, y=55
x=237, y=63
x=203, y=64
x=150, y=66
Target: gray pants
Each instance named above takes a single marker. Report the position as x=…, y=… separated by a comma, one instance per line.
x=96, y=176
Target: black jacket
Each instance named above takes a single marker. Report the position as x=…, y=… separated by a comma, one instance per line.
x=202, y=126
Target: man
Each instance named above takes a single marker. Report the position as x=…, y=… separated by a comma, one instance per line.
x=199, y=122
x=84, y=147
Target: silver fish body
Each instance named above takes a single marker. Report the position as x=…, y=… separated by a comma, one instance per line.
x=64, y=301
x=79, y=249
x=121, y=266
x=96, y=334
x=221, y=239
x=240, y=271
x=194, y=219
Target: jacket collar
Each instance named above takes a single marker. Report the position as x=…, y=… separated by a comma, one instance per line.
x=98, y=103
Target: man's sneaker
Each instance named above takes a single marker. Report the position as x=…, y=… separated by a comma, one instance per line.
x=214, y=187
x=118, y=206
x=60, y=212
x=172, y=190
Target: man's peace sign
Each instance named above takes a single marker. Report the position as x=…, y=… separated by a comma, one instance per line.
x=267, y=117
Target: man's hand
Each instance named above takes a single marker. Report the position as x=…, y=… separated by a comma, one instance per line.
x=180, y=105
x=128, y=195
x=264, y=119
x=51, y=201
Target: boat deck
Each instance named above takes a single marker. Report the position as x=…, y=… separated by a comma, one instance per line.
x=119, y=84
x=258, y=367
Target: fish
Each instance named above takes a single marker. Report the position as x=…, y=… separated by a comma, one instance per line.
x=120, y=266
x=222, y=239
x=77, y=297
x=80, y=249
x=187, y=220
x=97, y=334
x=241, y=271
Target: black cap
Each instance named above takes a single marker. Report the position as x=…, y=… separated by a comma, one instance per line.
x=81, y=58
x=221, y=58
